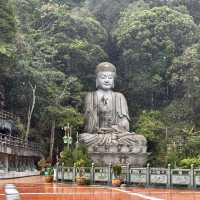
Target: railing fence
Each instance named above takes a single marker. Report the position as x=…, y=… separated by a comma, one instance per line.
x=147, y=176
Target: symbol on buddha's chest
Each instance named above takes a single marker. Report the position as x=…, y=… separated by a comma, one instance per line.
x=105, y=105
x=104, y=100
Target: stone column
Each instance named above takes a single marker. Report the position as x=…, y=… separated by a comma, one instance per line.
x=6, y=163
x=92, y=174
x=128, y=175
x=63, y=171
x=148, y=175
x=74, y=173
x=110, y=174
x=169, y=178
x=192, y=177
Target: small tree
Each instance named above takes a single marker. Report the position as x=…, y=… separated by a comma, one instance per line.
x=117, y=169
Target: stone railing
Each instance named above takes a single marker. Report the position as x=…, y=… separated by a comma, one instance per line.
x=147, y=176
x=10, y=141
x=7, y=115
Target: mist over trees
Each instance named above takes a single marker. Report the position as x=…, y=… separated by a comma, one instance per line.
x=56, y=44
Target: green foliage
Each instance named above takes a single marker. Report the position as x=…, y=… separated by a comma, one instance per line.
x=66, y=157
x=80, y=154
x=191, y=6
x=80, y=163
x=79, y=157
x=7, y=22
x=7, y=35
x=150, y=125
x=84, y=37
x=187, y=162
x=50, y=171
x=107, y=12
x=21, y=128
x=149, y=40
x=117, y=170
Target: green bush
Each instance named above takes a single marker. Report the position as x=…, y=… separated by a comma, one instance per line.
x=50, y=171
x=117, y=169
x=187, y=162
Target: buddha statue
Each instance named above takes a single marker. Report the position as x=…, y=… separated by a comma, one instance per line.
x=107, y=118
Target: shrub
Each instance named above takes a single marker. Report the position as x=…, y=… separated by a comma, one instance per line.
x=187, y=162
x=117, y=169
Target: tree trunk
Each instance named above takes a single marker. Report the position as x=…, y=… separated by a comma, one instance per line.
x=53, y=125
x=30, y=112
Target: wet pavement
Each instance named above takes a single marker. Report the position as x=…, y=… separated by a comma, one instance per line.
x=35, y=188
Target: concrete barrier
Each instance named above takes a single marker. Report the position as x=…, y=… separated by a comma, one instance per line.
x=11, y=192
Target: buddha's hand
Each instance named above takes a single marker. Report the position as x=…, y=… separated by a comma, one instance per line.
x=104, y=130
x=113, y=129
x=116, y=128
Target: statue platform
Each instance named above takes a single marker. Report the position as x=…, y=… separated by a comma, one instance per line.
x=103, y=155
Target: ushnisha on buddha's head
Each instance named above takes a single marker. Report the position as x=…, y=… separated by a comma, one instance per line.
x=105, y=73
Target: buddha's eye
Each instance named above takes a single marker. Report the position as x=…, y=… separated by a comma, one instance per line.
x=103, y=76
x=110, y=77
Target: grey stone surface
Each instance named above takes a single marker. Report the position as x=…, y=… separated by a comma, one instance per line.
x=107, y=133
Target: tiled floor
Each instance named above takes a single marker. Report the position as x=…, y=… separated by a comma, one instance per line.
x=34, y=188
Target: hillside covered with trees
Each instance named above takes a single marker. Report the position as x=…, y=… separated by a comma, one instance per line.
x=49, y=50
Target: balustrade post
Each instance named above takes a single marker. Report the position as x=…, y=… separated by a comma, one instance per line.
x=57, y=169
x=62, y=171
x=92, y=174
x=128, y=175
x=169, y=176
x=74, y=173
x=6, y=163
x=109, y=173
x=148, y=175
x=192, y=178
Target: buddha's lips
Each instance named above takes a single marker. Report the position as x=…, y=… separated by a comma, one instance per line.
x=107, y=84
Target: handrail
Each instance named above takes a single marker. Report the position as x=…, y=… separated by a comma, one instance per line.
x=7, y=115
x=9, y=140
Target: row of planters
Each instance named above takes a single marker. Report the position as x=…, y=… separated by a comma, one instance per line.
x=47, y=171
x=78, y=157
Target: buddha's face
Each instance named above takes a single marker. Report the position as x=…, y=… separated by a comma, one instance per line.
x=105, y=80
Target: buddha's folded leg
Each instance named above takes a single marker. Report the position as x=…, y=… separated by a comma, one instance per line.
x=89, y=139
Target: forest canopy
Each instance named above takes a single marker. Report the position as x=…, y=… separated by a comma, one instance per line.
x=49, y=50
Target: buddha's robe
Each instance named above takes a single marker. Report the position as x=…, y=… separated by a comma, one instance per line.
x=104, y=126
x=117, y=110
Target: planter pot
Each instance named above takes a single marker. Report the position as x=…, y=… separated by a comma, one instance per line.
x=81, y=180
x=48, y=179
x=116, y=182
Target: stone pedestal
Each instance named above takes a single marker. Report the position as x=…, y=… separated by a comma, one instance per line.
x=136, y=160
x=103, y=155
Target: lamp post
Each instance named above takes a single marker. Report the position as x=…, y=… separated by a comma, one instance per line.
x=67, y=139
x=77, y=139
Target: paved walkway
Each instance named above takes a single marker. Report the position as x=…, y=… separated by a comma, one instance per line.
x=34, y=188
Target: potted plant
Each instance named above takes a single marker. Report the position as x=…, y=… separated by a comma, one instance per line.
x=42, y=165
x=117, y=169
x=80, y=178
x=49, y=174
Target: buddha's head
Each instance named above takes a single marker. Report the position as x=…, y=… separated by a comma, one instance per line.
x=106, y=73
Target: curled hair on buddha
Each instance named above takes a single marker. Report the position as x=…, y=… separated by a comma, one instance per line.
x=105, y=67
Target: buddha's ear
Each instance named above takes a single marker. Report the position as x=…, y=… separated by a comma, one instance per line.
x=113, y=84
x=97, y=83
